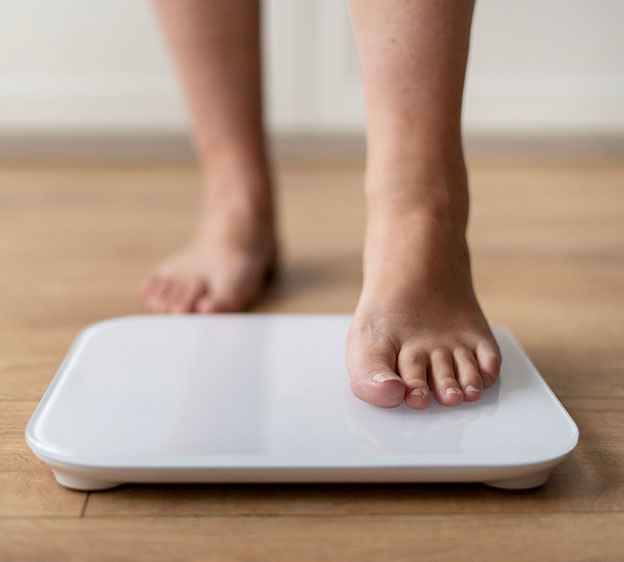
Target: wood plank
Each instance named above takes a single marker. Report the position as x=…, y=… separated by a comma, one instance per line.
x=14, y=453
x=36, y=493
x=467, y=537
x=548, y=262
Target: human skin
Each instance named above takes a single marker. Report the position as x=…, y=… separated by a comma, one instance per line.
x=418, y=329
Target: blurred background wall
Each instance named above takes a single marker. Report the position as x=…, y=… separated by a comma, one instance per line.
x=99, y=73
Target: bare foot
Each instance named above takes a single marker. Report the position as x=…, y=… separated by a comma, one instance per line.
x=224, y=266
x=418, y=328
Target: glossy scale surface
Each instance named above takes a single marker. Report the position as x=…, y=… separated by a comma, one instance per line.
x=265, y=398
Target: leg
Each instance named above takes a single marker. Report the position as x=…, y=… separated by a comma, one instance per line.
x=418, y=327
x=216, y=47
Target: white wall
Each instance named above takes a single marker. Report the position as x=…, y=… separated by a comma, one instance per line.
x=547, y=66
x=537, y=67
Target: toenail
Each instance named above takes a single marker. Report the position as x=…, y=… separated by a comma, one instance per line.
x=383, y=377
x=472, y=388
x=453, y=390
x=418, y=392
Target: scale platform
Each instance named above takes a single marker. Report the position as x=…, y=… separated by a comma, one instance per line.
x=266, y=398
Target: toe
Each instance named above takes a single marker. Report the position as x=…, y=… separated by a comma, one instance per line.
x=170, y=294
x=149, y=286
x=190, y=292
x=205, y=304
x=371, y=362
x=155, y=299
x=149, y=289
x=444, y=384
x=489, y=361
x=467, y=373
x=413, y=370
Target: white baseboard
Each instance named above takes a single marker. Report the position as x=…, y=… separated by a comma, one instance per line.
x=290, y=147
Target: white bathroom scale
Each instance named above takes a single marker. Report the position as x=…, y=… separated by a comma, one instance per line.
x=266, y=398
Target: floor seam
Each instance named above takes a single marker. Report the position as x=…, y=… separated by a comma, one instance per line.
x=310, y=515
x=370, y=514
x=84, y=506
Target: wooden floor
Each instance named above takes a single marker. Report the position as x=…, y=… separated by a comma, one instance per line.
x=548, y=252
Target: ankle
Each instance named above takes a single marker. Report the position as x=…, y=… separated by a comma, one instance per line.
x=430, y=192
x=238, y=180
x=235, y=161
x=239, y=214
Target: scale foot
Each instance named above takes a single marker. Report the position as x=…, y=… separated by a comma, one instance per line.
x=523, y=483
x=77, y=481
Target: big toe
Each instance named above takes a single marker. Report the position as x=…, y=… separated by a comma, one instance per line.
x=372, y=368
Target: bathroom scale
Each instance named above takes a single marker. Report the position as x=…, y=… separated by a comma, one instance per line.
x=266, y=398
